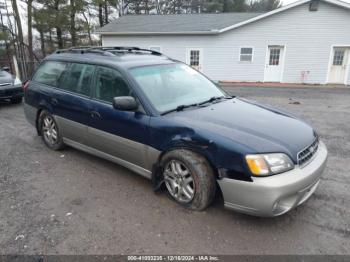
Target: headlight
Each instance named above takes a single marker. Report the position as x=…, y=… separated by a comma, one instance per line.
x=269, y=164
x=17, y=81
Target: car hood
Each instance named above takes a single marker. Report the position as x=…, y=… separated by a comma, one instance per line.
x=5, y=78
x=262, y=129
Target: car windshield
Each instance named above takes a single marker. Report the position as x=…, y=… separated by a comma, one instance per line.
x=174, y=85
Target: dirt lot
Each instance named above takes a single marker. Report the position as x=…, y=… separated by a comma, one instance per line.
x=72, y=203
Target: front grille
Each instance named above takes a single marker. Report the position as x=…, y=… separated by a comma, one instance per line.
x=306, y=155
x=11, y=91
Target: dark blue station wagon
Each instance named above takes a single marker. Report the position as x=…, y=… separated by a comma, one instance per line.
x=169, y=123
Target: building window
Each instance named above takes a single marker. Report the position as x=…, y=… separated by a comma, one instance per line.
x=275, y=54
x=338, y=56
x=156, y=48
x=246, y=54
x=194, y=58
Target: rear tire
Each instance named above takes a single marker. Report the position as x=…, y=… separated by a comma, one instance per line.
x=16, y=100
x=189, y=179
x=49, y=131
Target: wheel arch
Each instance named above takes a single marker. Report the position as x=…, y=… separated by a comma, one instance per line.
x=157, y=176
x=158, y=181
x=198, y=150
x=41, y=108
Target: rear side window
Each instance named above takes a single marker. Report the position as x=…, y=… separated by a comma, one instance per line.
x=50, y=72
x=109, y=84
x=77, y=78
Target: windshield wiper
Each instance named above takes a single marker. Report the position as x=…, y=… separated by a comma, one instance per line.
x=182, y=107
x=179, y=108
x=215, y=98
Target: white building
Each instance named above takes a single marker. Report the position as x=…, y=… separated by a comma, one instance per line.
x=305, y=42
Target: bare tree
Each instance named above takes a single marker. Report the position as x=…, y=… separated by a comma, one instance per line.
x=17, y=20
x=88, y=27
x=72, y=22
x=30, y=35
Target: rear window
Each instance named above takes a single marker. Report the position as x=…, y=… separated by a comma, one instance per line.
x=77, y=78
x=49, y=73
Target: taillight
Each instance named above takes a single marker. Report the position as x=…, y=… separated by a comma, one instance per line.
x=25, y=85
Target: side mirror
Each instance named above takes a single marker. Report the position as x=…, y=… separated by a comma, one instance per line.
x=125, y=103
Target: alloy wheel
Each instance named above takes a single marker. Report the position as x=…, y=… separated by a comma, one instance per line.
x=50, y=130
x=179, y=181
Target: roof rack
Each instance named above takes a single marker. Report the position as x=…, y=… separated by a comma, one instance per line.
x=106, y=50
x=127, y=49
x=82, y=50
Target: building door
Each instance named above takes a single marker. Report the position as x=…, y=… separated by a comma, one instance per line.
x=274, y=64
x=339, y=63
x=194, y=58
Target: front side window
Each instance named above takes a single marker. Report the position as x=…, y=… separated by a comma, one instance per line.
x=77, y=78
x=246, y=54
x=172, y=85
x=109, y=84
x=49, y=73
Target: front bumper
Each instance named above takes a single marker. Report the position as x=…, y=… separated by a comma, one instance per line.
x=275, y=195
x=11, y=91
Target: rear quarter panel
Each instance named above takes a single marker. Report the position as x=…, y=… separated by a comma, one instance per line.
x=36, y=98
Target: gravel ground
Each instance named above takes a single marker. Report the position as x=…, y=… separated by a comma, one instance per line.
x=69, y=202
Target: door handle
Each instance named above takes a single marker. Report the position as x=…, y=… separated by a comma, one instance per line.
x=54, y=101
x=95, y=114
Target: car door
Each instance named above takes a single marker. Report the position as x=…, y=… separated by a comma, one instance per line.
x=122, y=134
x=71, y=101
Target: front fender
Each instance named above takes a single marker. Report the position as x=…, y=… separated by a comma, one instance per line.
x=179, y=138
x=221, y=153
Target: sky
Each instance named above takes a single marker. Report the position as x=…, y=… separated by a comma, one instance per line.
x=287, y=2
x=24, y=13
x=284, y=2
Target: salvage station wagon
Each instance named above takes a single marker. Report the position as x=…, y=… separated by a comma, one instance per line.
x=169, y=123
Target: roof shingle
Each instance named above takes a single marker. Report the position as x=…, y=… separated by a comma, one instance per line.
x=183, y=23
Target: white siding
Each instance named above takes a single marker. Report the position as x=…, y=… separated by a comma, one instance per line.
x=347, y=76
x=308, y=38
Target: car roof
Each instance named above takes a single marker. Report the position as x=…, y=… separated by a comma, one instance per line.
x=125, y=57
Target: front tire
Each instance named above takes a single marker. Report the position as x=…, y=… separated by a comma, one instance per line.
x=189, y=179
x=49, y=131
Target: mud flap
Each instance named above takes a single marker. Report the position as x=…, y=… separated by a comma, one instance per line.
x=157, y=178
